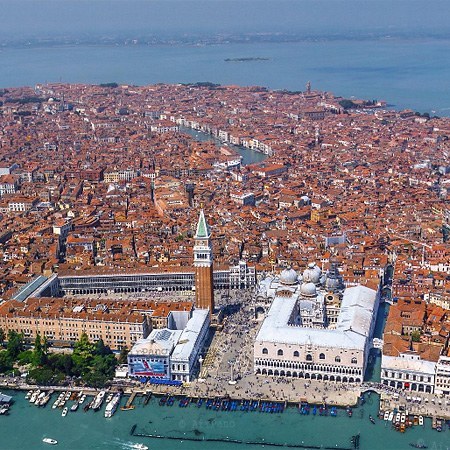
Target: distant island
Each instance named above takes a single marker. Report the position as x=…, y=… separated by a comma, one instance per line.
x=245, y=59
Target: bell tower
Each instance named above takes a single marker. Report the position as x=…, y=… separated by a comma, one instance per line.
x=203, y=264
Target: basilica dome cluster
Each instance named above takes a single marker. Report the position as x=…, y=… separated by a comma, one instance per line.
x=313, y=327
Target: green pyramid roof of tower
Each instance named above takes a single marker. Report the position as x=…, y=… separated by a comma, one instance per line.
x=202, y=227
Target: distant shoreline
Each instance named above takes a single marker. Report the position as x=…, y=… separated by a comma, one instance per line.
x=246, y=59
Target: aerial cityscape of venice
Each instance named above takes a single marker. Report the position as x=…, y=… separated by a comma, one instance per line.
x=209, y=265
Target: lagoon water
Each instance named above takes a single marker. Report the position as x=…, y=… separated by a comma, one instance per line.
x=80, y=430
x=396, y=50
x=409, y=74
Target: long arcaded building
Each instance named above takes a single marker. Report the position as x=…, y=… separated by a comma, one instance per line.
x=313, y=328
x=114, y=280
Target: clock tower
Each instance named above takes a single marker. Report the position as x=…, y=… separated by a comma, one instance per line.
x=203, y=264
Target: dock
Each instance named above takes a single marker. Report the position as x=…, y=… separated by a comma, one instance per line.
x=130, y=401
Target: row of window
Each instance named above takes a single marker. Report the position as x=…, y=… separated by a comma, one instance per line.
x=309, y=357
x=406, y=376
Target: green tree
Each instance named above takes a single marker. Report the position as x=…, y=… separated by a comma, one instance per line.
x=39, y=352
x=60, y=362
x=101, y=370
x=415, y=336
x=25, y=357
x=15, y=344
x=102, y=349
x=83, y=354
x=2, y=336
x=83, y=347
x=347, y=104
x=123, y=355
x=42, y=376
x=6, y=363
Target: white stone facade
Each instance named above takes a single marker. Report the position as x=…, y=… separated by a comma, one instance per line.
x=408, y=372
x=296, y=338
x=442, y=383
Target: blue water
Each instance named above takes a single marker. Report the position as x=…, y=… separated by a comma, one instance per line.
x=396, y=50
x=248, y=156
x=405, y=73
x=80, y=430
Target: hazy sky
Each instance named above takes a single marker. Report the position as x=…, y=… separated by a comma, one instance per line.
x=24, y=18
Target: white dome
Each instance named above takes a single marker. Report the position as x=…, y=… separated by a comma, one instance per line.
x=308, y=290
x=289, y=276
x=312, y=274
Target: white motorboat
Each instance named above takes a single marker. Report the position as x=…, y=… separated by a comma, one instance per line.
x=64, y=412
x=82, y=399
x=139, y=447
x=50, y=441
x=34, y=396
x=39, y=398
x=58, y=401
x=74, y=407
x=386, y=416
x=97, y=403
x=420, y=420
x=112, y=405
x=29, y=394
x=391, y=416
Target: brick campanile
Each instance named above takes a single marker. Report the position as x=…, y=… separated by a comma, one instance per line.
x=203, y=263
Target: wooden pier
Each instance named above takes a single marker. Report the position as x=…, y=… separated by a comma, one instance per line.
x=130, y=401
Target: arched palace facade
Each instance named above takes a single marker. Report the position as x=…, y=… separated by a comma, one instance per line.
x=313, y=327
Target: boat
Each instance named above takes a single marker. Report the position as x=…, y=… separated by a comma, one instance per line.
x=97, y=403
x=418, y=445
x=421, y=420
x=110, y=397
x=29, y=394
x=64, y=412
x=44, y=400
x=349, y=411
x=127, y=408
x=147, y=398
x=74, y=407
x=82, y=399
x=139, y=447
x=50, y=441
x=391, y=416
x=355, y=440
x=112, y=405
x=34, y=396
x=386, y=416
x=37, y=401
x=372, y=419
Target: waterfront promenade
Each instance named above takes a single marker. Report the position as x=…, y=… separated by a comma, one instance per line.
x=280, y=390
